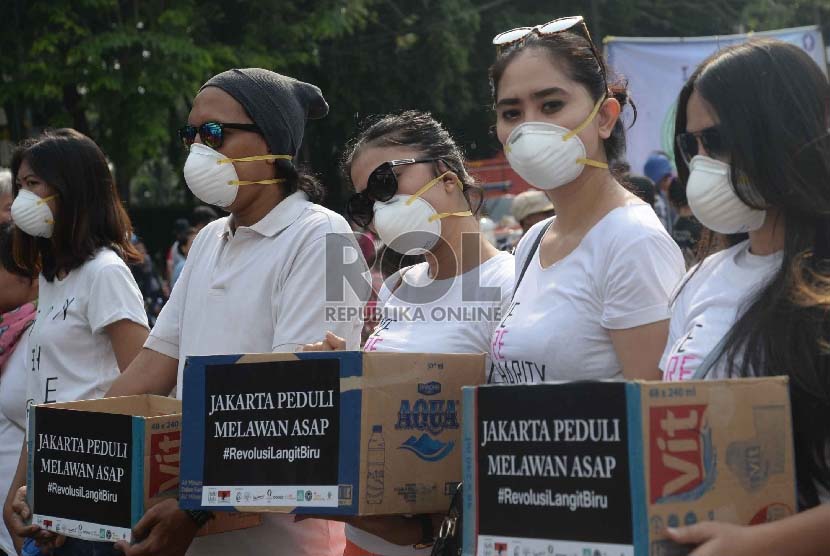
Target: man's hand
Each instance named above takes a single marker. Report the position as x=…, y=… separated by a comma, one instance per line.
x=719, y=539
x=331, y=343
x=15, y=516
x=164, y=530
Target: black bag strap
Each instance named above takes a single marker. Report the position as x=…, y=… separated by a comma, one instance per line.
x=400, y=276
x=709, y=361
x=532, y=252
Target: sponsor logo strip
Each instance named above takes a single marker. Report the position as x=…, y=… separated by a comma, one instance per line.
x=277, y=496
x=82, y=529
x=509, y=546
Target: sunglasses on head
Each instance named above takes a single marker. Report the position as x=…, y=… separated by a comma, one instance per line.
x=711, y=139
x=211, y=133
x=381, y=186
x=575, y=24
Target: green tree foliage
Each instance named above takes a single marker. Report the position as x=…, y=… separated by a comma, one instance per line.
x=125, y=71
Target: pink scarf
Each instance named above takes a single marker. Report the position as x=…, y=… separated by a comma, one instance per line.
x=12, y=326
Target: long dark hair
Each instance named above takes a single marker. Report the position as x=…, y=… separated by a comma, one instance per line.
x=422, y=132
x=297, y=178
x=583, y=67
x=771, y=100
x=89, y=212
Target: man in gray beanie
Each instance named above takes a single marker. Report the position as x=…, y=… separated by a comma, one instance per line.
x=254, y=282
x=278, y=104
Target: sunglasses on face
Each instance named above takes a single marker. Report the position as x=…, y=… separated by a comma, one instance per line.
x=575, y=24
x=711, y=139
x=211, y=133
x=381, y=186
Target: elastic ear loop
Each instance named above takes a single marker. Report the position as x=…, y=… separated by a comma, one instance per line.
x=571, y=134
x=254, y=159
x=425, y=188
x=439, y=215
x=45, y=200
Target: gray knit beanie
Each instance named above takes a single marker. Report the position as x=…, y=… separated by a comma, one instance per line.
x=279, y=105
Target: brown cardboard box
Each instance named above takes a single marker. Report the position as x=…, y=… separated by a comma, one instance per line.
x=605, y=467
x=716, y=450
x=390, y=445
x=95, y=466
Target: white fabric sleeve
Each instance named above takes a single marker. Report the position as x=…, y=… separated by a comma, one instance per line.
x=678, y=324
x=638, y=282
x=164, y=337
x=301, y=311
x=114, y=296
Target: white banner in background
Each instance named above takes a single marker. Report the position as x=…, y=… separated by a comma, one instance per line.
x=657, y=68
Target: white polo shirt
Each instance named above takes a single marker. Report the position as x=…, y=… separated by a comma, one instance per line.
x=262, y=289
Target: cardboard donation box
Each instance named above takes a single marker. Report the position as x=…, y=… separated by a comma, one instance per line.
x=345, y=433
x=95, y=466
x=603, y=468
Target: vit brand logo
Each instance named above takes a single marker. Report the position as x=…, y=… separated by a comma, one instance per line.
x=164, y=462
x=431, y=417
x=224, y=495
x=683, y=461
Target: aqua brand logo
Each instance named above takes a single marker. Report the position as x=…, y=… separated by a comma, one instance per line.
x=427, y=448
x=429, y=388
x=430, y=417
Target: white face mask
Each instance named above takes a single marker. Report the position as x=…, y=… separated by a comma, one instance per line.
x=548, y=156
x=714, y=202
x=410, y=225
x=211, y=176
x=31, y=214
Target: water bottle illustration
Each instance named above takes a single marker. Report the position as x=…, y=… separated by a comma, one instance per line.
x=375, y=459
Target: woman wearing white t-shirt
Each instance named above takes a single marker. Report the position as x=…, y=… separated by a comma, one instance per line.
x=73, y=234
x=754, y=152
x=18, y=304
x=593, y=282
x=413, y=189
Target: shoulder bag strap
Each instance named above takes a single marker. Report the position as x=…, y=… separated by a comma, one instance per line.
x=530, y=255
x=709, y=361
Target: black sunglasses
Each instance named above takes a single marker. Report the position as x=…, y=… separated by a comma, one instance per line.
x=381, y=186
x=212, y=133
x=711, y=138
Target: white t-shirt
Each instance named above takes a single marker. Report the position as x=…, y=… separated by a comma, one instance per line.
x=620, y=276
x=262, y=289
x=12, y=424
x=70, y=356
x=455, y=315
x=710, y=301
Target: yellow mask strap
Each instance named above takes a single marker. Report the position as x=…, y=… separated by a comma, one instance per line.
x=45, y=200
x=428, y=185
x=260, y=182
x=441, y=215
x=589, y=162
x=255, y=158
x=587, y=121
